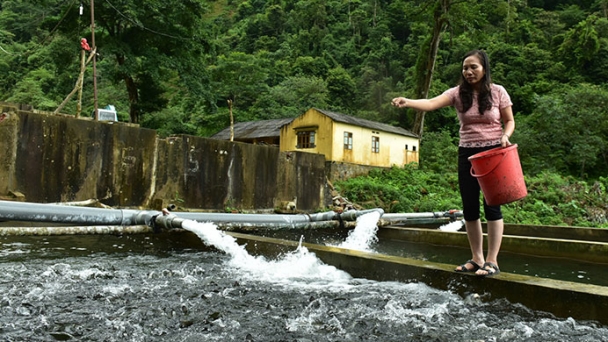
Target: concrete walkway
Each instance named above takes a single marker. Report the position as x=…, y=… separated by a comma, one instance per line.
x=584, y=244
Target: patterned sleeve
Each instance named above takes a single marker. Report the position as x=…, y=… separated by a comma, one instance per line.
x=452, y=93
x=504, y=98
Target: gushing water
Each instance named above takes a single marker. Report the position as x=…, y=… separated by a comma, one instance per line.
x=452, y=226
x=364, y=235
x=298, y=265
x=211, y=236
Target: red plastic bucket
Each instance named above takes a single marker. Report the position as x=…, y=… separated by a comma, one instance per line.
x=499, y=174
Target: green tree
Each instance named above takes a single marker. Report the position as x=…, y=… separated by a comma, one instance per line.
x=292, y=97
x=310, y=66
x=342, y=89
x=581, y=44
x=439, y=152
x=148, y=41
x=570, y=132
x=445, y=13
x=239, y=77
x=426, y=63
x=31, y=90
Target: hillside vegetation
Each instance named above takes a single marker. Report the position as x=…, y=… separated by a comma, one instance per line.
x=172, y=65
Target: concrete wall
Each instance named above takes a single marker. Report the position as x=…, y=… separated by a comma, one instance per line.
x=55, y=158
x=342, y=171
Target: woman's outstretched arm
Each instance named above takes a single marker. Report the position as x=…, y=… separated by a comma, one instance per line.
x=425, y=105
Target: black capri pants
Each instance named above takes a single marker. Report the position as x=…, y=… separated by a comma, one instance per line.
x=470, y=189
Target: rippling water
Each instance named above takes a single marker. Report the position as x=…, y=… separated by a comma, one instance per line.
x=126, y=289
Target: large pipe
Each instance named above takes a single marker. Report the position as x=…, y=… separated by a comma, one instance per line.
x=37, y=212
x=328, y=219
x=398, y=217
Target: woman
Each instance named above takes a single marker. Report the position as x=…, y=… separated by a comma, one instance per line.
x=481, y=106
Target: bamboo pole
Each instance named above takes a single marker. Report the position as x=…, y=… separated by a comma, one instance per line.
x=143, y=229
x=86, y=203
x=79, y=84
x=76, y=230
x=249, y=227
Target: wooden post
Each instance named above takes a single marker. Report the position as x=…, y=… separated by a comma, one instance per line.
x=95, y=104
x=80, y=83
x=231, y=120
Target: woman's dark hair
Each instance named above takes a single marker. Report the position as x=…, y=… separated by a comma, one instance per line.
x=484, y=99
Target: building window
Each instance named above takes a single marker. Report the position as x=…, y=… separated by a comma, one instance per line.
x=348, y=141
x=406, y=147
x=414, y=148
x=306, y=139
x=375, y=144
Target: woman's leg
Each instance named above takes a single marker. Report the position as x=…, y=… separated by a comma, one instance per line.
x=469, y=193
x=475, y=236
x=495, y=232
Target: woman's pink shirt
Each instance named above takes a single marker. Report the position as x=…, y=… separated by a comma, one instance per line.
x=480, y=130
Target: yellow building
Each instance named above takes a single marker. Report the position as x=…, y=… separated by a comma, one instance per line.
x=344, y=138
x=341, y=138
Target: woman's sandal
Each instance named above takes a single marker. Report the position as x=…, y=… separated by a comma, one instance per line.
x=490, y=268
x=464, y=269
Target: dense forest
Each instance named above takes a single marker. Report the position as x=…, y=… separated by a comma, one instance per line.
x=173, y=65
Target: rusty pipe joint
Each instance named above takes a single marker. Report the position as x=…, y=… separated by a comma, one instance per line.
x=166, y=221
x=453, y=214
x=352, y=215
x=143, y=218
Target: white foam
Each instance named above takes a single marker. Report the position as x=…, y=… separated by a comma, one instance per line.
x=452, y=226
x=298, y=266
x=364, y=234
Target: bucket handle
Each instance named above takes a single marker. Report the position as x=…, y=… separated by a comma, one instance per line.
x=504, y=155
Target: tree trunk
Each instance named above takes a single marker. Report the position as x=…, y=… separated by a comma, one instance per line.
x=426, y=67
x=131, y=91
x=133, y=99
x=231, y=120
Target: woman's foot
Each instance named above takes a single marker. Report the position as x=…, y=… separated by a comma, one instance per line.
x=469, y=266
x=488, y=269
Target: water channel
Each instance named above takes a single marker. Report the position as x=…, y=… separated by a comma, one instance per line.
x=208, y=288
